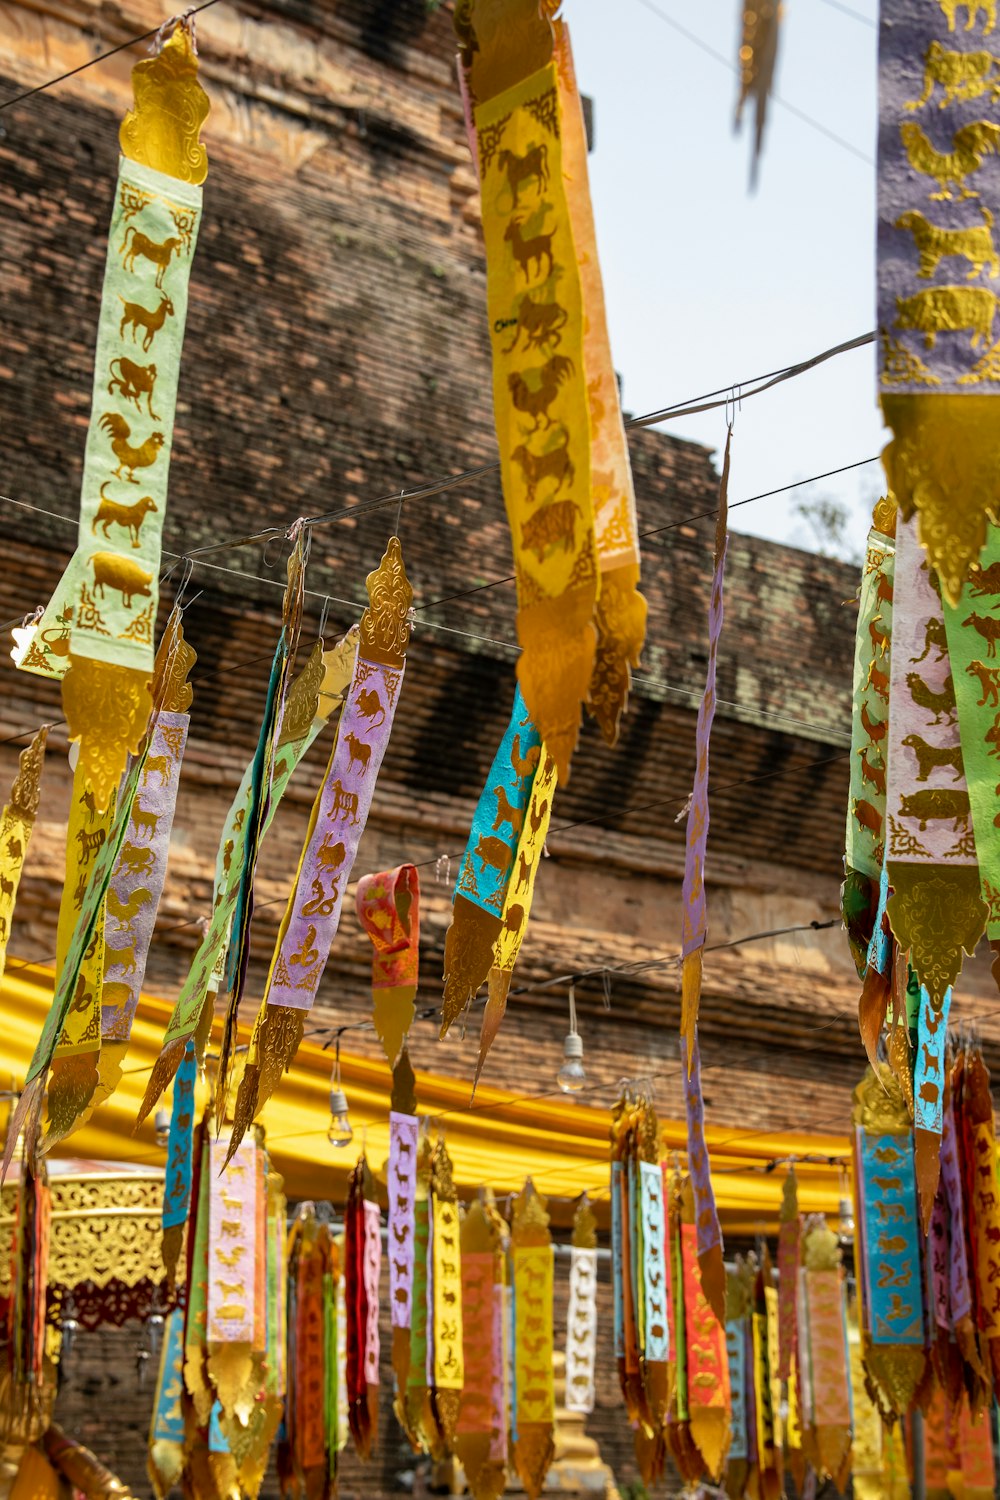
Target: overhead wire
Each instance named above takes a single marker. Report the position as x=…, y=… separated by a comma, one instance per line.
x=99, y=57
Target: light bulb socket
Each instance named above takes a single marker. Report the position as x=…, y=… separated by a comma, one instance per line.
x=161, y=1125
x=573, y=1046
x=338, y=1101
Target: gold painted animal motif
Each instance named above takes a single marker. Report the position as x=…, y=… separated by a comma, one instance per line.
x=934, y=757
x=935, y=244
x=540, y=322
x=132, y=382
x=536, y=819
x=493, y=853
x=935, y=639
x=534, y=392
x=89, y=842
x=125, y=912
x=992, y=737
x=989, y=682
x=123, y=957
x=135, y=316
x=513, y=919
x=158, y=765
x=949, y=169
x=307, y=953
x=880, y=638
x=988, y=626
x=360, y=753
x=115, y=993
x=505, y=813
x=159, y=253
x=343, y=804
x=937, y=803
x=940, y=704
x=972, y=8
x=878, y=681
x=556, y=464
x=963, y=76
x=130, y=456
x=552, y=526
x=144, y=822
x=528, y=252
x=523, y=872
x=129, y=517
x=369, y=706
x=984, y=581
x=135, y=861
x=15, y=849
x=868, y=816
x=524, y=766
x=533, y=166
x=321, y=904
x=330, y=856
x=948, y=309
x=875, y=729
x=875, y=775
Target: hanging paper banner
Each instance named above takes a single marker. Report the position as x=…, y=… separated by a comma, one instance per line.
x=313, y=698
x=865, y=843
x=829, y=1410
x=938, y=196
x=981, y=1174
x=389, y=911
x=788, y=1265
x=97, y=631
x=581, y=1317
x=621, y=609
x=232, y=1235
x=710, y=1252
x=372, y=1268
x=736, y=1358
x=447, y=1347
x=166, y=1433
x=481, y=1429
x=488, y=863
x=706, y=1361
x=404, y=1132
x=418, y=1417
x=180, y=1147
x=654, y=1271
x=540, y=397
x=16, y=826
x=892, y=1269
x=362, y=1332
x=758, y=55
x=338, y=819
x=959, y=1289
x=517, y=903
x=694, y=925
x=973, y=628
x=928, y=1099
x=534, y=1393
x=935, y=910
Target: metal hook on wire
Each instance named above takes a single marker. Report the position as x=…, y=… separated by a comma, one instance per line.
x=399, y=512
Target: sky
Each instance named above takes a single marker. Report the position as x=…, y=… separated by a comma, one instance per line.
x=709, y=283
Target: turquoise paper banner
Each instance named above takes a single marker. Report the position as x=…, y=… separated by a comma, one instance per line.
x=168, y=1419
x=496, y=824
x=737, y=1352
x=891, y=1249
x=654, y=1261
x=180, y=1143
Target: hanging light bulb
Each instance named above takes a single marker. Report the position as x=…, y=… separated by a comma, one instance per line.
x=338, y=1132
x=572, y=1076
x=161, y=1124
x=154, y=1324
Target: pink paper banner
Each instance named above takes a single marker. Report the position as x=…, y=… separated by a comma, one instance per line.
x=403, y=1133
x=137, y=878
x=372, y=1268
x=478, y=1411
x=927, y=797
x=232, y=1242
x=313, y=914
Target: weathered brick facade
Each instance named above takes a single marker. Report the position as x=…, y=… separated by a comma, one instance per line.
x=336, y=351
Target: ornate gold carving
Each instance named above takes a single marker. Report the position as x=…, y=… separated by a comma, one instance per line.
x=104, y=1229
x=172, y=693
x=482, y=1228
x=944, y=463
x=303, y=698
x=171, y=106
x=404, y=1086
x=820, y=1246
x=107, y=710
x=879, y=1106
x=385, y=624
x=884, y=516
x=72, y=1081
x=24, y=791
x=529, y=1219
x=511, y=38
x=584, y=1225
x=936, y=914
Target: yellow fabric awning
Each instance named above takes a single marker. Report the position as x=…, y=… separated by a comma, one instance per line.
x=499, y=1140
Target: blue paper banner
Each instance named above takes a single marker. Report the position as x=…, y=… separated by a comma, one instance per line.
x=180, y=1143
x=168, y=1419
x=496, y=825
x=892, y=1251
x=928, y=1072
x=736, y=1349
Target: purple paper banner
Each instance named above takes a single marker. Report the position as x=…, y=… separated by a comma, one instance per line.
x=938, y=198
x=695, y=918
x=938, y=1250
x=960, y=1292
x=313, y=913
x=137, y=879
x=706, y=1215
x=403, y=1133
x=372, y=1269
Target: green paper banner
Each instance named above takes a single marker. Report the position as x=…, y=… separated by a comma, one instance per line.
x=973, y=630
x=104, y=606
